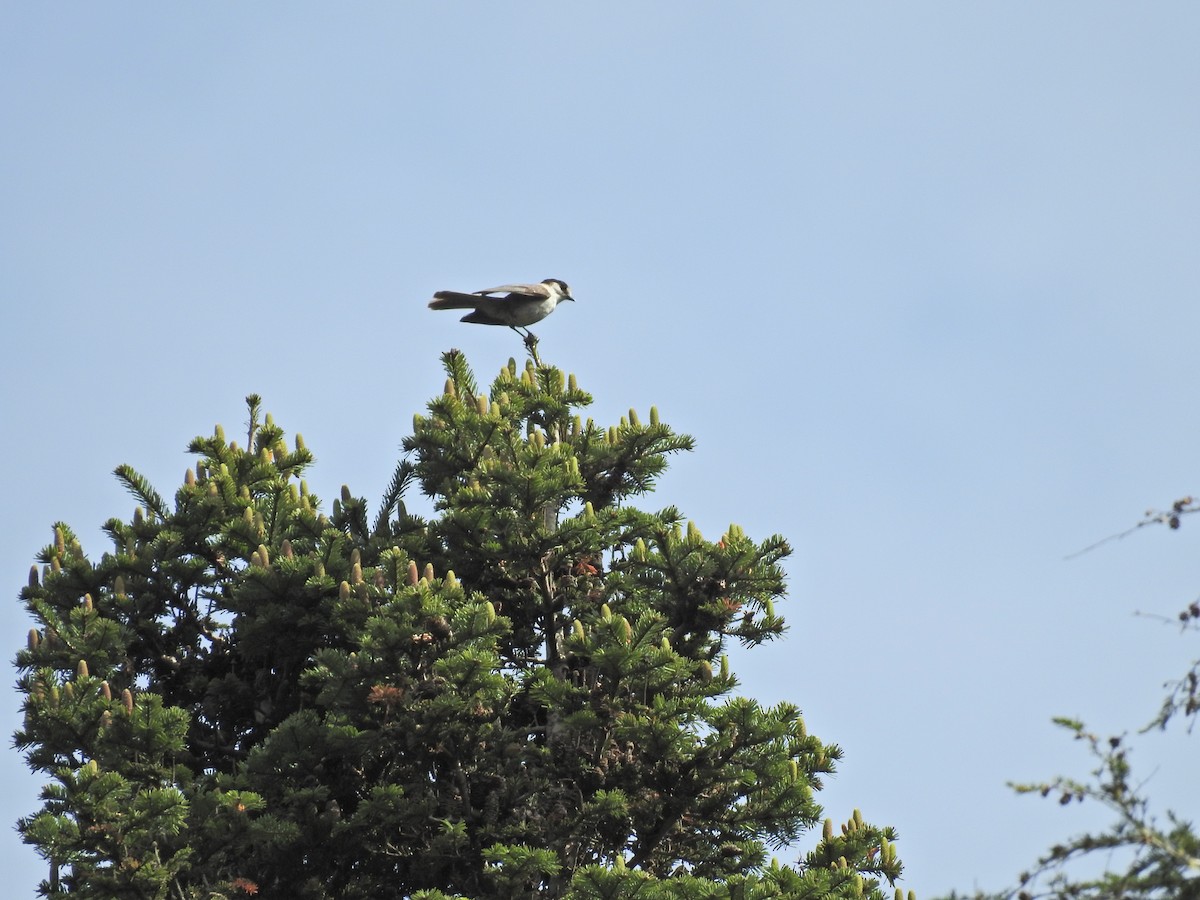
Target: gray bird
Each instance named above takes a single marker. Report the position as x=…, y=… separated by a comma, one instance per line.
x=521, y=305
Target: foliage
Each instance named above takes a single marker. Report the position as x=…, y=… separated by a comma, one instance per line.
x=1143, y=858
x=525, y=695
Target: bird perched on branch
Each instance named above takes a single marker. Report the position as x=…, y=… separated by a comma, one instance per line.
x=520, y=306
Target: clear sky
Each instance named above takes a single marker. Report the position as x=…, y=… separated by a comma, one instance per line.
x=922, y=279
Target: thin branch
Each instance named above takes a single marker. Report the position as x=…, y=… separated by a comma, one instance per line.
x=1180, y=507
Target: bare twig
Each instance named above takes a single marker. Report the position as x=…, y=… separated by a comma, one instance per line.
x=1180, y=507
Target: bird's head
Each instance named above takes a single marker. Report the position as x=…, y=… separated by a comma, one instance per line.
x=559, y=287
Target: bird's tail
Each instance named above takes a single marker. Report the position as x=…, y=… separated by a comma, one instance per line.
x=454, y=300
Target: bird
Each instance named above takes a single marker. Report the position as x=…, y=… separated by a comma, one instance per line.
x=520, y=306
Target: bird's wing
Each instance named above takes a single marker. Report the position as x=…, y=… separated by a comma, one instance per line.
x=531, y=290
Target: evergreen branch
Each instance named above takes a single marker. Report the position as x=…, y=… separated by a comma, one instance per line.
x=142, y=490
x=455, y=364
x=253, y=404
x=401, y=479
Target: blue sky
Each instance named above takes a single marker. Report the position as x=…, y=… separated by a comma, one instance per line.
x=920, y=278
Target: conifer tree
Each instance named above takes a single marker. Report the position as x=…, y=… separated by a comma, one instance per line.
x=526, y=695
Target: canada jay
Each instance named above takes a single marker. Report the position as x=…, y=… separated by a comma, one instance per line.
x=521, y=305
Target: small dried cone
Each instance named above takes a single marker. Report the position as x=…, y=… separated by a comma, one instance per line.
x=127, y=701
x=413, y=577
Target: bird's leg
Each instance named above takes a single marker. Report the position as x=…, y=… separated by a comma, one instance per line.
x=531, y=343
